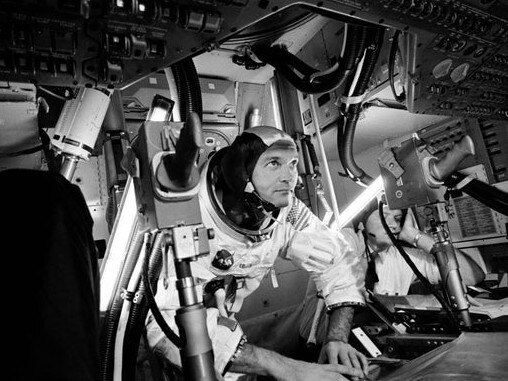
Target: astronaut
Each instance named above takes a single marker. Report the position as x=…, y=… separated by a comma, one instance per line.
x=392, y=275
x=246, y=195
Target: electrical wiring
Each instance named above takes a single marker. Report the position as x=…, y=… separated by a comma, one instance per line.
x=351, y=108
x=152, y=304
x=401, y=98
x=304, y=77
x=124, y=313
x=488, y=195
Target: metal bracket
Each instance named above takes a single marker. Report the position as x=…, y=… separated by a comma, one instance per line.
x=387, y=160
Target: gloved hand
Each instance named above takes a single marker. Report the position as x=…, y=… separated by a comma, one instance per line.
x=311, y=251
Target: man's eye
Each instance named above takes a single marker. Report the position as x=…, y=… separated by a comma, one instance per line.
x=273, y=163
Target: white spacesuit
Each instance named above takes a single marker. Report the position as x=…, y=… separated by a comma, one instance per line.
x=240, y=258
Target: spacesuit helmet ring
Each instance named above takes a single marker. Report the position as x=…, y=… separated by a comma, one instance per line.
x=231, y=169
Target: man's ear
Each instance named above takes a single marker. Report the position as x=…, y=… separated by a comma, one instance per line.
x=363, y=231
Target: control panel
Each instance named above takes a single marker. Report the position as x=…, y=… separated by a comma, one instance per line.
x=117, y=41
x=462, y=68
x=495, y=139
x=490, y=140
x=456, y=54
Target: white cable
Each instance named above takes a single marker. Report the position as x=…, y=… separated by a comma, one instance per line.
x=353, y=100
x=465, y=181
x=318, y=74
x=356, y=77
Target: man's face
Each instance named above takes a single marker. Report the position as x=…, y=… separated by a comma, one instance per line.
x=275, y=175
x=376, y=234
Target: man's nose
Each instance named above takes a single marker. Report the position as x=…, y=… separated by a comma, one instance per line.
x=288, y=173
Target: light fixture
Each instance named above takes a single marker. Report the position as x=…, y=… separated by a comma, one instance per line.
x=357, y=206
x=160, y=110
x=118, y=245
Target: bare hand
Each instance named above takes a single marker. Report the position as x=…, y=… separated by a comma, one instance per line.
x=409, y=229
x=303, y=371
x=255, y=360
x=335, y=351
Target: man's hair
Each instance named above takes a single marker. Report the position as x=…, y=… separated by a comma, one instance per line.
x=240, y=159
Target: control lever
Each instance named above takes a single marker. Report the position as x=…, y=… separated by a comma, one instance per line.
x=178, y=171
x=437, y=170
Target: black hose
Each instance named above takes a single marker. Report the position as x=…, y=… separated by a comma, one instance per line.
x=356, y=40
x=280, y=55
x=184, y=97
x=346, y=130
x=371, y=57
x=110, y=325
x=287, y=64
x=194, y=88
x=447, y=308
x=179, y=81
x=189, y=91
x=175, y=339
x=137, y=315
x=488, y=195
x=360, y=37
x=401, y=98
x=346, y=152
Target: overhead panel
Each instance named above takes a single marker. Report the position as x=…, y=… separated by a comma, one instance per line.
x=460, y=69
x=115, y=43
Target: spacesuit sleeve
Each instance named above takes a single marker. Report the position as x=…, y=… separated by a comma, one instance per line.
x=334, y=263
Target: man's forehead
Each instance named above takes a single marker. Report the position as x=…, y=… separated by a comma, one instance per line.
x=386, y=211
x=393, y=212
x=282, y=152
x=272, y=136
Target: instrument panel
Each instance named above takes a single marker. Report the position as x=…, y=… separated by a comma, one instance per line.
x=456, y=56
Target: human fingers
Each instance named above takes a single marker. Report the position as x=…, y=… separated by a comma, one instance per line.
x=322, y=356
x=348, y=360
x=355, y=363
x=410, y=220
x=354, y=360
x=345, y=360
x=364, y=361
x=347, y=370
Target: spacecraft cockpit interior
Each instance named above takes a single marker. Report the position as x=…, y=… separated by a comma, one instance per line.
x=403, y=103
